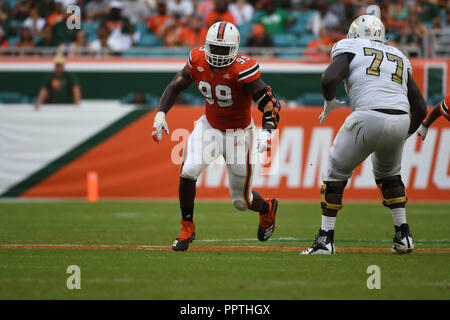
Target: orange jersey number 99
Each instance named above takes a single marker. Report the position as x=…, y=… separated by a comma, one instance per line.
x=221, y=92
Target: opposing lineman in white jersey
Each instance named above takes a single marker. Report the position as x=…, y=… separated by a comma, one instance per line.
x=388, y=67
x=387, y=107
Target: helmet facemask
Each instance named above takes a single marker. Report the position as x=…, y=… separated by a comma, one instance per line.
x=220, y=55
x=221, y=44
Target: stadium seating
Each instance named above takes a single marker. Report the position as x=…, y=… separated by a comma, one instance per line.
x=284, y=40
x=303, y=40
x=149, y=40
x=91, y=31
x=11, y=3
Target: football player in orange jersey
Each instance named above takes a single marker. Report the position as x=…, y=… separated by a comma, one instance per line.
x=440, y=109
x=229, y=81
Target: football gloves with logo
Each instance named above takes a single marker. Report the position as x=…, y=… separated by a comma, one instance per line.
x=329, y=106
x=158, y=125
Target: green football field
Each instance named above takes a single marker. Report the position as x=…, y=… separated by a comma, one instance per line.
x=123, y=252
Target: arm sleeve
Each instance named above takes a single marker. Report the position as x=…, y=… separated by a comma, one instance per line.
x=444, y=107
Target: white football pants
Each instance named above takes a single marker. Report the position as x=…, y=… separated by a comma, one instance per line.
x=205, y=144
x=366, y=132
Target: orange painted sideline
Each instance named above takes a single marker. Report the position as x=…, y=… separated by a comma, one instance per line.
x=199, y=248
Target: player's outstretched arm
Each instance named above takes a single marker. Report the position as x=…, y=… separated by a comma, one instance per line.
x=269, y=105
x=434, y=114
x=331, y=77
x=417, y=104
x=180, y=82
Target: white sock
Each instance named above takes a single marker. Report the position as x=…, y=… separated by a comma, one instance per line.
x=328, y=223
x=399, y=216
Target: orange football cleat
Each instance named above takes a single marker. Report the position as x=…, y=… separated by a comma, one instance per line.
x=267, y=220
x=187, y=235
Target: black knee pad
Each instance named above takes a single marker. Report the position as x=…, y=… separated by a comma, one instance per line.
x=392, y=191
x=331, y=194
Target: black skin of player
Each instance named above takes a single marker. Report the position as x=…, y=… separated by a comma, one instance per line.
x=434, y=114
x=179, y=83
x=336, y=72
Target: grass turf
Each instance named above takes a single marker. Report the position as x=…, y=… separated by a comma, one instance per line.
x=216, y=274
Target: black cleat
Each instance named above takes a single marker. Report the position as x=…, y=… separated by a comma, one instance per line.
x=403, y=241
x=324, y=243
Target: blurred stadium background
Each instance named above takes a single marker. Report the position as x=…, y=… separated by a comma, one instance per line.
x=121, y=55
x=303, y=30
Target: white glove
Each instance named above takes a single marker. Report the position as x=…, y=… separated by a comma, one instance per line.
x=263, y=140
x=329, y=106
x=158, y=125
x=422, y=131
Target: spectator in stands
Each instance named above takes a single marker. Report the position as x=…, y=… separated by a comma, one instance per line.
x=319, y=49
x=21, y=10
x=25, y=42
x=220, y=13
x=324, y=18
x=78, y=44
x=34, y=22
x=181, y=8
x=443, y=43
x=115, y=20
x=122, y=35
x=172, y=31
x=6, y=21
x=385, y=16
x=338, y=9
x=242, y=11
x=135, y=10
x=427, y=10
x=275, y=20
x=97, y=10
x=47, y=39
x=59, y=87
x=57, y=15
x=399, y=12
x=46, y=7
x=260, y=39
x=4, y=43
x=445, y=24
x=419, y=30
x=404, y=38
x=100, y=46
x=194, y=33
x=61, y=34
x=204, y=8
x=156, y=21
